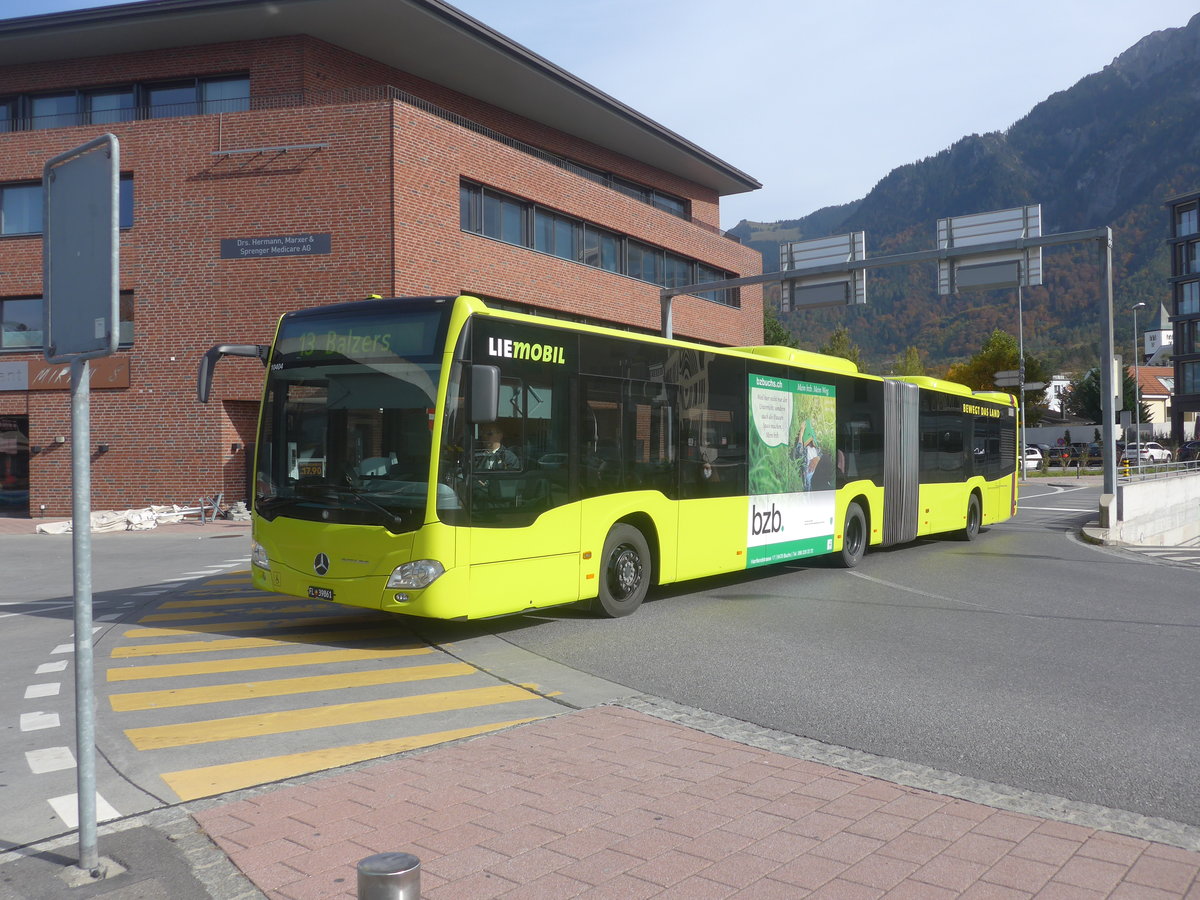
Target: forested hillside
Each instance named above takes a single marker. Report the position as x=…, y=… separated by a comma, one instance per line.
x=1108, y=151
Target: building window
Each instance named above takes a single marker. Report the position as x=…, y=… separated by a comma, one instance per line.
x=1189, y=337
x=123, y=103
x=115, y=105
x=504, y=219
x=1188, y=258
x=21, y=322
x=1186, y=220
x=1187, y=298
x=1190, y=374
x=21, y=206
x=601, y=249
x=222, y=95
x=726, y=296
x=557, y=235
x=515, y=221
x=677, y=271
x=643, y=261
x=53, y=111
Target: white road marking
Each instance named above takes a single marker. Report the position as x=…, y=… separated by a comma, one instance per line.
x=67, y=809
x=52, y=759
x=36, y=721
x=49, y=689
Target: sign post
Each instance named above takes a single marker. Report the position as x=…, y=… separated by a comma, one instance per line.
x=80, y=318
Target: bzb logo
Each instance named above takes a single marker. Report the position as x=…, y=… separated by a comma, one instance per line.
x=765, y=522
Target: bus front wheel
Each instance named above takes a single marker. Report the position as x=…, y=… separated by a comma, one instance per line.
x=854, y=537
x=974, y=519
x=624, y=572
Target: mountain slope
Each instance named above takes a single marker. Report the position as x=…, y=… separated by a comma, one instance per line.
x=1108, y=151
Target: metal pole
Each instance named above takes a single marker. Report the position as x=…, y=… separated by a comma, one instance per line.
x=81, y=542
x=1137, y=388
x=1107, y=394
x=1021, y=379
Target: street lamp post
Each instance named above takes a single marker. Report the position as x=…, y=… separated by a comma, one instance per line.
x=1137, y=387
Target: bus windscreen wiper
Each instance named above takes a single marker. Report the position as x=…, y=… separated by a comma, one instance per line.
x=358, y=494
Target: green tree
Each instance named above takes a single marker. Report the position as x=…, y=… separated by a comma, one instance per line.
x=908, y=363
x=841, y=345
x=1001, y=353
x=1084, y=399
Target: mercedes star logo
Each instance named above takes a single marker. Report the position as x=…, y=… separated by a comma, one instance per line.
x=321, y=564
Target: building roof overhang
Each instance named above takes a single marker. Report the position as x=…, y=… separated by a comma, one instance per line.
x=427, y=38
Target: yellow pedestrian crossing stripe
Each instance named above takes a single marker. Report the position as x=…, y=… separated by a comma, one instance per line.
x=160, y=736
x=251, y=625
x=248, y=610
x=340, y=649
x=242, y=643
x=283, y=687
x=224, y=598
x=190, y=784
x=257, y=663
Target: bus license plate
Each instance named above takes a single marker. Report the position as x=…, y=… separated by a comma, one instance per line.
x=317, y=593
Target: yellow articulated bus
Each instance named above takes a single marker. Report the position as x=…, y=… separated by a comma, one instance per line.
x=436, y=457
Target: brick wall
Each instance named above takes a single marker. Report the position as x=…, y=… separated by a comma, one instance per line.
x=384, y=186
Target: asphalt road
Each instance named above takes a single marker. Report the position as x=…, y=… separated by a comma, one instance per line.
x=1026, y=658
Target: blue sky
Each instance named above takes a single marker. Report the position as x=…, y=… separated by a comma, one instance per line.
x=815, y=102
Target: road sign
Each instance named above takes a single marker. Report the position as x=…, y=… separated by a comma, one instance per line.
x=826, y=289
x=80, y=251
x=1008, y=373
x=1021, y=266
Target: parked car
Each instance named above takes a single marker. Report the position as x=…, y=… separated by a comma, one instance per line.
x=1147, y=451
x=1033, y=458
x=1189, y=451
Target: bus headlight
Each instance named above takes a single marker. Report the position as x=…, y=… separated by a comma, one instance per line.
x=420, y=573
x=258, y=556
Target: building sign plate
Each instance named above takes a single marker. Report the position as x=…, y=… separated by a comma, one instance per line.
x=37, y=375
x=280, y=245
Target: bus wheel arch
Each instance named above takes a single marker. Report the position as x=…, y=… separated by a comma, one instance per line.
x=974, y=519
x=856, y=533
x=628, y=565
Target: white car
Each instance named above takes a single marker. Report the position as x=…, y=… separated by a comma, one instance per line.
x=1146, y=452
x=1033, y=458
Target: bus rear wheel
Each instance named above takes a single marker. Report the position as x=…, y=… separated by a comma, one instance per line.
x=854, y=537
x=974, y=520
x=625, y=570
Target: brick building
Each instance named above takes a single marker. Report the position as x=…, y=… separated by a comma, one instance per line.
x=301, y=152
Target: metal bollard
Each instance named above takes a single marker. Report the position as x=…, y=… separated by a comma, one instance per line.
x=389, y=876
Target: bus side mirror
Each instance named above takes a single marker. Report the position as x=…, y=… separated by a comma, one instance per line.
x=209, y=361
x=485, y=393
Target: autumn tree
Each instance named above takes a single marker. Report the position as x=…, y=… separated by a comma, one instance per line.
x=1001, y=353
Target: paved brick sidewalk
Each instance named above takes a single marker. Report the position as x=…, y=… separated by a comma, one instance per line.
x=611, y=802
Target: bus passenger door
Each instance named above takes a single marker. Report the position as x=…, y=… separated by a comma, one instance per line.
x=524, y=535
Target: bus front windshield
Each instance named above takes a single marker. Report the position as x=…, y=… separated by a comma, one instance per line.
x=347, y=440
